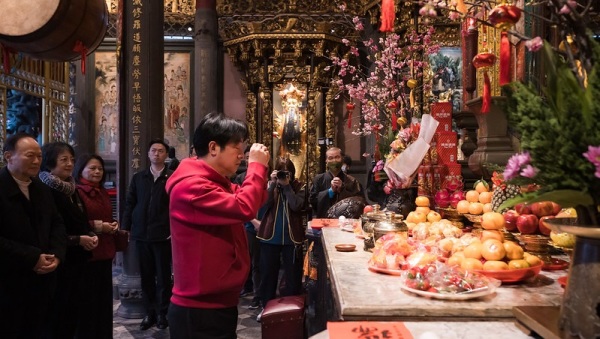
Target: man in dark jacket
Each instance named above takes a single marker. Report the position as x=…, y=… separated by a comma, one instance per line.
x=146, y=216
x=332, y=186
x=32, y=241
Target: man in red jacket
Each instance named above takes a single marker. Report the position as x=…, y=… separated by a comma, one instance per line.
x=207, y=212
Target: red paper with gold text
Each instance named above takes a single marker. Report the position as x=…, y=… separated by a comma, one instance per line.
x=368, y=329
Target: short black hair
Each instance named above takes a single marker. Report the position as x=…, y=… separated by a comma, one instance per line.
x=219, y=128
x=82, y=161
x=50, y=153
x=171, y=152
x=285, y=164
x=158, y=141
x=10, y=144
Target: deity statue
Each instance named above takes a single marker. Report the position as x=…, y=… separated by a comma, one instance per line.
x=290, y=126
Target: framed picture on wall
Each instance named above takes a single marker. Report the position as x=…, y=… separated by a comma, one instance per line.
x=177, y=103
x=106, y=105
x=446, y=75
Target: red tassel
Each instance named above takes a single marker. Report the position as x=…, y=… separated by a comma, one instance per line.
x=80, y=48
x=388, y=15
x=487, y=93
x=6, y=52
x=504, y=59
x=394, y=120
x=349, y=119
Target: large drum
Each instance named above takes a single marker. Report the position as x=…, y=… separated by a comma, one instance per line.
x=53, y=29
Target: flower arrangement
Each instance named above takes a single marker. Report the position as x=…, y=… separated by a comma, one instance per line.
x=384, y=85
x=558, y=123
x=560, y=138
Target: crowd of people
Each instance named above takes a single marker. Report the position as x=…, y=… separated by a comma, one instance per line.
x=223, y=224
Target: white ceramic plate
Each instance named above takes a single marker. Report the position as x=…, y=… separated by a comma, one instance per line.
x=452, y=296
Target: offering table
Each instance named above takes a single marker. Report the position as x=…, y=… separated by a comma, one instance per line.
x=360, y=294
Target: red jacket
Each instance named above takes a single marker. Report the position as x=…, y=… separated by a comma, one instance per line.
x=210, y=249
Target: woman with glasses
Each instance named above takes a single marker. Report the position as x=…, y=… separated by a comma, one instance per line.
x=97, y=320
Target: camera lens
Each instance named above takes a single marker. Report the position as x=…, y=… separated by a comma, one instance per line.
x=282, y=174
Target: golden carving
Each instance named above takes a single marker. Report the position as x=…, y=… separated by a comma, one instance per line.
x=489, y=41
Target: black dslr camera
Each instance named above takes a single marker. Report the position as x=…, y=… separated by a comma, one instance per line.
x=283, y=174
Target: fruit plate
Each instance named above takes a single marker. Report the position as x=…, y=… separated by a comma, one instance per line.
x=569, y=225
x=317, y=224
x=562, y=281
x=513, y=275
x=477, y=293
x=555, y=264
x=475, y=218
x=385, y=270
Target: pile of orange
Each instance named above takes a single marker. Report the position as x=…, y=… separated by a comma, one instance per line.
x=477, y=201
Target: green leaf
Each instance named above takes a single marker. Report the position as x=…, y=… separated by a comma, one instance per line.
x=565, y=198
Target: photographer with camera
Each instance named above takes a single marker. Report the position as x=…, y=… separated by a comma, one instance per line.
x=281, y=233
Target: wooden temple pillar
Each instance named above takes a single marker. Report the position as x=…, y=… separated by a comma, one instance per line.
x=206, y=55
x=140, y=119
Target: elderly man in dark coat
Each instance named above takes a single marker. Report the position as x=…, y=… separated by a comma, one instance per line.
x=32, y=241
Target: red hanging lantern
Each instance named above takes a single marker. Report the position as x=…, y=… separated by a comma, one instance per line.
x=349, y=109
x=484, y=61
x=504, y=16
x=392, y=105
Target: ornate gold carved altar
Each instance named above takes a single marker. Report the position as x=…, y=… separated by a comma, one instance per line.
x=34, y=98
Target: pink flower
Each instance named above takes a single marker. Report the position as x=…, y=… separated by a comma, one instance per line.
x=529, y=171
x=514, y=165
x=535, y=44
x=566, y=8
x=593, y=155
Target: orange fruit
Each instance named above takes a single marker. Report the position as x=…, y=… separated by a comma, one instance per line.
x=433, y=216
x=472, y=196
x=492, y=234
x=422, y=201
x=463, y=207
x=471, y=264
x=481, y=186
x=423, y=209
x=476, y=208
x=513, y=250
x=487, y=207
x=517, y=264
x=485, y=197
x=455, y=259
x=492, y=221
x=531, y=259
x=494, y=265
x=492, y=249
x=473, y=250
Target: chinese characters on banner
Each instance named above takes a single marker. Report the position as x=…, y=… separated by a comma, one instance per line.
x=368, y=330
x=136, y=75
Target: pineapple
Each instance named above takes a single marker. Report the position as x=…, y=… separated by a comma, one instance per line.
x=502, y=193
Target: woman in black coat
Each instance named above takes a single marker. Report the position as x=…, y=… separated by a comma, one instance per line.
x=57, y=166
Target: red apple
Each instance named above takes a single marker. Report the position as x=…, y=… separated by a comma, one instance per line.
x=542, y=208
x=522, y=208
x=368, y=208
x=544, y=229
x=510, y=219
x=555, y=208
x=527, y=224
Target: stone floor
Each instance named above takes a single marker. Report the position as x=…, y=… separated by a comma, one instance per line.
x=248, y=327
